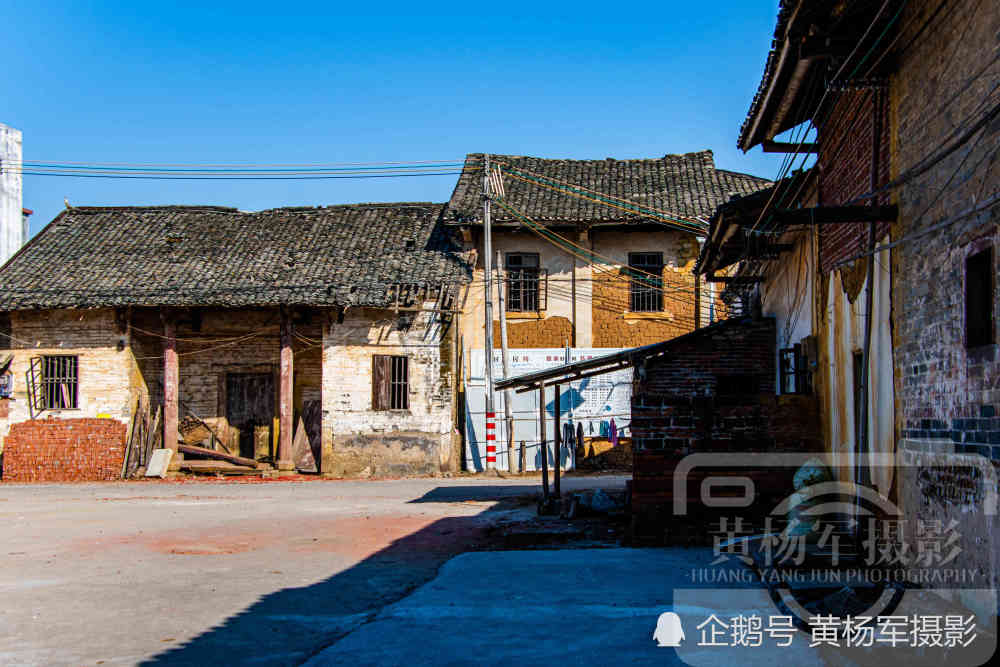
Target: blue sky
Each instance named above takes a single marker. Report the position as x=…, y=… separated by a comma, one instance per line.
x=227, y=82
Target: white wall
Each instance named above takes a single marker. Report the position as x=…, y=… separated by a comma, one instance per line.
x=788, y=294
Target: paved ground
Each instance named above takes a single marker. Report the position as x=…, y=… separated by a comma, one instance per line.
x=166, y=573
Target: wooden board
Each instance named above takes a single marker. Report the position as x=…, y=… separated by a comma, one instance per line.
x=195, y=450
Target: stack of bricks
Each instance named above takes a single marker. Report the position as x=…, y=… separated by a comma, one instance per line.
x=64, y=450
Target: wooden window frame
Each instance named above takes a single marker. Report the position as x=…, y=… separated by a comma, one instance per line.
x=54, y=382
x=390, y=383
x=645, y=293
x=527, y=286
x=794, y=374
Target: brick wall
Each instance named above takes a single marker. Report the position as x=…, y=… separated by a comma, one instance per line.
x=679, y=406
x=95, y=336
x=844, y=164
x=944, y=389
x=614, y=324
x=547, y=332
x=64, y=450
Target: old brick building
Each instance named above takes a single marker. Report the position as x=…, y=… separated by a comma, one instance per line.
x=578, y=237
x=885, y=247
x=332, y=320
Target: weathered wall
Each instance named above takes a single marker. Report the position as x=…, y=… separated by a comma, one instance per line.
x=845, y=167
x=842, y=335
x=788, y=292
x=945, y=78
x=360, y=441
x=947, y=393
x=614, y=325
x=64, y=450
x=677, y=408
x=602, y=291
x=103, y=371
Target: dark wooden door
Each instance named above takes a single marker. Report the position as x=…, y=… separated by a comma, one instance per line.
x=249, y=405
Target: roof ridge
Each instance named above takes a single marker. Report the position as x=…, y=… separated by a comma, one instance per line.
x=690, y=155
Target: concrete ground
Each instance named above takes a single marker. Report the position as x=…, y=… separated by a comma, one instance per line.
x=171, y=573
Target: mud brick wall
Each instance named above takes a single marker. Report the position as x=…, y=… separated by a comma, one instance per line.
x=64, y=450
x=547, y=332
x=943, y=388
x=614, y=324
x=844, y=163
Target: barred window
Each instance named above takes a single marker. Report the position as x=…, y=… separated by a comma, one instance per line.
x=523, y=282
x=645, y=282
x=390, y=382
x=60, y=383
x=795, y=375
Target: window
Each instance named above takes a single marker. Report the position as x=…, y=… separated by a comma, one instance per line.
x=646, y=282
x=979, y=299
x=795, y=377
x=524, y=279
x=390, y=382
x=54, y=382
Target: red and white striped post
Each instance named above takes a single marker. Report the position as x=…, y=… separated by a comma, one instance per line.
x=491, y=439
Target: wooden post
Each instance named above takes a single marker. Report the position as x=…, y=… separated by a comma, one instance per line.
x=557, y=446
x=171, y=382
x=286, y=424
x=507, y=415
x=541, y=443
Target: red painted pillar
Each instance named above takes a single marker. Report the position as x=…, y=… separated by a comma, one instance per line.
x=171, y=382
x=286, y=424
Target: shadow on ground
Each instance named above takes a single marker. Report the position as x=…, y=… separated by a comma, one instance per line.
x=478, y=493
x=288, y=626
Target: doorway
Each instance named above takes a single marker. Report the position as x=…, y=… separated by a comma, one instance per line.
x=250, y=400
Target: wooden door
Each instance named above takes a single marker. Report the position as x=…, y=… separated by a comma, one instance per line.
x=250, y=406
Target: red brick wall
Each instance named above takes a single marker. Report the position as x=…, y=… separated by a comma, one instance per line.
x=675, y=410
x=845, y=169
x=64, y=450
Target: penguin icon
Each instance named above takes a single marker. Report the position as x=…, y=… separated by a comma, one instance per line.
x=669, y=631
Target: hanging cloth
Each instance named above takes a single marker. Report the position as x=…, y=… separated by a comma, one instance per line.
x=614, y=433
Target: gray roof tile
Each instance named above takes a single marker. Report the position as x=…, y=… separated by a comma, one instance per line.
x=189, y=255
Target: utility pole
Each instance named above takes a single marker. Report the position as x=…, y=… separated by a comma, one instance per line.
x=491, y=442
x=507, y=416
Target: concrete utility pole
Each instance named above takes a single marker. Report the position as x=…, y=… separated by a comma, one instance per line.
x=491, y=443
x=507, y=416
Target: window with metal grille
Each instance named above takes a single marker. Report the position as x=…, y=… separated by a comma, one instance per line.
x=390, y=382
x=54, y=382
x=795, y=376
x=645, y=282
x=979, y=299
x=525, y=281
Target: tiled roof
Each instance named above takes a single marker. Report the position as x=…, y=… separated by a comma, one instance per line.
x=686, y=185
x=190, y=255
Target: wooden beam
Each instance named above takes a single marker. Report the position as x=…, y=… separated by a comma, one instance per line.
x=171, y=381
x=785, y=147
x=826, y=215
x=215, y=455
x=285, y=389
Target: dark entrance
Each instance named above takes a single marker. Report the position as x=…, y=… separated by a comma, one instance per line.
x=250, y=408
